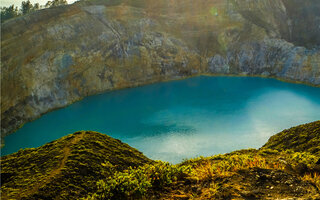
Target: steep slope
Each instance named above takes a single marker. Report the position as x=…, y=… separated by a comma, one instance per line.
x=295, y=21
x=93, y=165
x=53, y=57
x=66, y=168
x=303, y=138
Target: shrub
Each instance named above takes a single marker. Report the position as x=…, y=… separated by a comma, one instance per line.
x=301, y=157
x=231, y=164
x=313, y=178
x=135, y=182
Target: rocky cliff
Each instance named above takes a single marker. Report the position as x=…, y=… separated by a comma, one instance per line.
x=53, y=57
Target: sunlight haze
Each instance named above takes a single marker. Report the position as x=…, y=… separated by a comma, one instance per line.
x=18, y=2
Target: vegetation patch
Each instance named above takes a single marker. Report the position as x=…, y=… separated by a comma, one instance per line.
x=89, y=165
x=303, y=138
x=139, y=182
x=27, y=7
x=67, y=168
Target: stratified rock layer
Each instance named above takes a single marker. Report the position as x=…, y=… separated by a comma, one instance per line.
x=56, y=56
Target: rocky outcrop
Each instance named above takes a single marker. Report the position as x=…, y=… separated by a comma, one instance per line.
x=53, y=57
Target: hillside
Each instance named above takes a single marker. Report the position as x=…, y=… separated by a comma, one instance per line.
x=66, y=168
x=94, y=166
x=54, y=57
x=303, y=138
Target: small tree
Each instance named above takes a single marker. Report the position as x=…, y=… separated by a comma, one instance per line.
x=8, y=13
x=26, y=7
x=36, y=6
x=55, y=3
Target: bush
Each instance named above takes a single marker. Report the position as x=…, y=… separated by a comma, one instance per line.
x=136, y=182
x=9, y=12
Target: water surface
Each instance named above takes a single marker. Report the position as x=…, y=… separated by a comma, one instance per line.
x=182, y=119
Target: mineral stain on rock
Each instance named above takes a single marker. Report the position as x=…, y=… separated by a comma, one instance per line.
x=66, y=61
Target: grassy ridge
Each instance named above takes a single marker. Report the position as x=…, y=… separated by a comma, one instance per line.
x=67, y=168
x=255, y=174
x=91, y=165
x=303, y=138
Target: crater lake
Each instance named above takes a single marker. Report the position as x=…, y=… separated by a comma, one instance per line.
x=174, y=120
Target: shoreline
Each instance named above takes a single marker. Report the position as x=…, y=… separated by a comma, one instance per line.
x=156, y=81
x=160, y=80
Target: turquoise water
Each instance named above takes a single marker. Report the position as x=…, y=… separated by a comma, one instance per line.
x=182, y=119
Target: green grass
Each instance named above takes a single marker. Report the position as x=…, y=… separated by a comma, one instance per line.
x=92, y=165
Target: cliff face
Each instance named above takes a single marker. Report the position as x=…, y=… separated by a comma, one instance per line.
x=56, y=56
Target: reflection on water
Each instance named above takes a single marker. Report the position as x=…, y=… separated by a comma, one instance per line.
x=182, y=119
x=263, y=115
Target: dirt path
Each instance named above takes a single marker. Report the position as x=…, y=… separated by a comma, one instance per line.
x=57, y=170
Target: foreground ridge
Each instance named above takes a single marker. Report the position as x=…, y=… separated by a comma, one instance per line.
x=92, y=165
x=66, y=168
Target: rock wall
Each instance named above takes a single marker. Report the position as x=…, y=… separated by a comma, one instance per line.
x=56, y=56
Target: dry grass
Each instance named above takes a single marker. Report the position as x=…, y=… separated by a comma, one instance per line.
x=313, y=178
x=230, y=165
x=209, y=193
